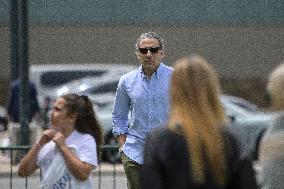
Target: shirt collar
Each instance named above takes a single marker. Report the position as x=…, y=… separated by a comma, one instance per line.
x=157, y=73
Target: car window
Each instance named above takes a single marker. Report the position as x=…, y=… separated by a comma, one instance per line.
x=55, y=78
x=106, y=88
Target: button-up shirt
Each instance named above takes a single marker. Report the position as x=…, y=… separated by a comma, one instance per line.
x=141, y=104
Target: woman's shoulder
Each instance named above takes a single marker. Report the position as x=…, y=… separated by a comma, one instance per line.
x=164, y=140
x=162, y=133
x=166, y=146
x=80, y=138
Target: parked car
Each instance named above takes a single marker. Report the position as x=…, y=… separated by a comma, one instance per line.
x=101, y=90
x=238, y=108
x=89, y=85
x=248, y=123
x=49, y=76
x=241, y=102
x=249, y=130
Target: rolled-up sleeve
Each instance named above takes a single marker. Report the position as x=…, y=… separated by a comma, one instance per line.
x=121, y=109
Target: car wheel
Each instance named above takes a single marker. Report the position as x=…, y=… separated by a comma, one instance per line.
x=111, y=152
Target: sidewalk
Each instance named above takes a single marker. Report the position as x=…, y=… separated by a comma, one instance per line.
x=5, y=163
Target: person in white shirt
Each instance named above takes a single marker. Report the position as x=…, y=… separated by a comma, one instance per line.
x=75, y=136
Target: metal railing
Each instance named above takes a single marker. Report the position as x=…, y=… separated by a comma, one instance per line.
x=110, y=173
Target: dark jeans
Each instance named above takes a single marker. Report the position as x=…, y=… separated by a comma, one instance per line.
x=132, y=171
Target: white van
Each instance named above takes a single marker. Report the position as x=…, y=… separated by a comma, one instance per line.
x=48, y=76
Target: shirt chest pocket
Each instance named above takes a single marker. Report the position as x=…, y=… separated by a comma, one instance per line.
x=147, y=97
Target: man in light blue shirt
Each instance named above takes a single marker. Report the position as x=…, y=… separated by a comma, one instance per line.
x=144, y=94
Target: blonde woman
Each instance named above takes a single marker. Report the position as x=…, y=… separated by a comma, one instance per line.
x=197, y=149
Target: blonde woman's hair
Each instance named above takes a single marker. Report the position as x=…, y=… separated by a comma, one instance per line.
x=275, y=87
x=196, y=107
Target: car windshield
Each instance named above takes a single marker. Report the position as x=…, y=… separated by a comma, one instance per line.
x=104, y=88
x=235, y=111
x=52, y=79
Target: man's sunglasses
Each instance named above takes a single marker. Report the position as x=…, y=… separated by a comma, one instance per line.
x=153, y=50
